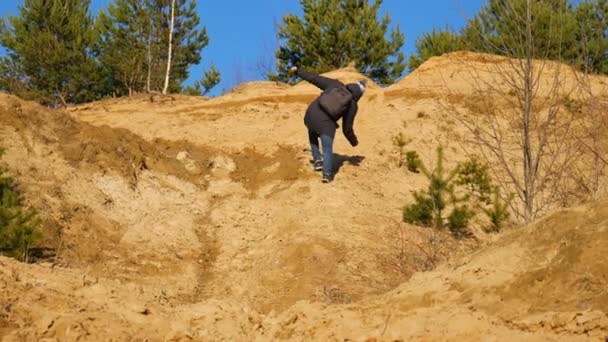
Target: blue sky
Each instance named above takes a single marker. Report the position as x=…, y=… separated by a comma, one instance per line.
x=241, y=32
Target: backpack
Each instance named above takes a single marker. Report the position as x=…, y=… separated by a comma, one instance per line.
x=335, y=101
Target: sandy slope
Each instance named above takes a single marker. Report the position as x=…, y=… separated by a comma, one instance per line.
x=187, y=218
x=529, y=285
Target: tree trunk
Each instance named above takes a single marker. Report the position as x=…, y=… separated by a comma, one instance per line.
x=64, y=103
x=527, y=144
x=149, y=58
x=170, y=48
x=597, y=145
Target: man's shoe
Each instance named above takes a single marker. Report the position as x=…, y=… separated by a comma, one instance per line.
x=317, y=165
x=326, y=179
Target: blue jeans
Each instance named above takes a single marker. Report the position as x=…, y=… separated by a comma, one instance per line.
x=328, y=154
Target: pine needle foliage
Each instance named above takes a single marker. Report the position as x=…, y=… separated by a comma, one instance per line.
x=19, y=226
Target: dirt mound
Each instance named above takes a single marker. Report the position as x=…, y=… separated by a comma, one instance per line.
x=472, y=74
x=345, y=75
x=268, y=87
x=274, y=93
x=540, y=282
x=111, y=199
x=98, y=147
x=256, y=92
x=546, y=281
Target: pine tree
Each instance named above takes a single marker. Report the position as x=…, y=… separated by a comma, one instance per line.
x=498, y=29
x=19, y=227
x=435, y=43
x=125, y=29
x=474, y=35
x=135, y=40
x=333, y=33
x=49, y=52
x=187, y=41
x=591, y=50
x=429, y=206
x=465, y=189
x=210, y=79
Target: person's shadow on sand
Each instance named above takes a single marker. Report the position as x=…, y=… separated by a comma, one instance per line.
x=340, y=159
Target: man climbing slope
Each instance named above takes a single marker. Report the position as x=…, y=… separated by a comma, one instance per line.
x=338, y=101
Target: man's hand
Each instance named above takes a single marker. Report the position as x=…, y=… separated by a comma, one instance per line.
x=293, y=69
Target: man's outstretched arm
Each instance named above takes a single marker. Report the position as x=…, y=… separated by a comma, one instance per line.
x=348, y=122
x=319, y=81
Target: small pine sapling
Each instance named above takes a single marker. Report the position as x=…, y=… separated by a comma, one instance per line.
x=19, y=227
x=463, y=191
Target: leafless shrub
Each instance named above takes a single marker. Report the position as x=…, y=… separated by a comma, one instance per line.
x=518, y=123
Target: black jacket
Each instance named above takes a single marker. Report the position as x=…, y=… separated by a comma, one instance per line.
x=321, y=123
